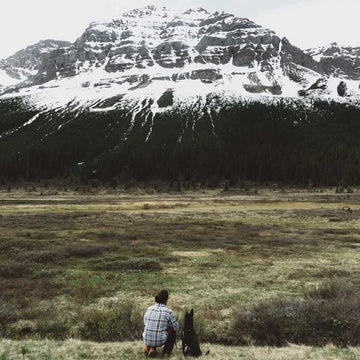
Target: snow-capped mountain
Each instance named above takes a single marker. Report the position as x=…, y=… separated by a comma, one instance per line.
x=158, y=93
x=146, y=52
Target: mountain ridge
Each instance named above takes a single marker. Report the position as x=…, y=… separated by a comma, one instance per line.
x=150, y=44
x=190, y=95
x=337, y=60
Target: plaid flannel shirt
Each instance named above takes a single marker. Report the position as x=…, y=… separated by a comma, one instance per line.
x=157, y=319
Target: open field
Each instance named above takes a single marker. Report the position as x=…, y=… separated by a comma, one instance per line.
x=86, y=266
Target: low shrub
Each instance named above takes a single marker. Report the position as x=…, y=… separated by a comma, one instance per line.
x=44, y=256
x=331, y=290
x=52, y=329
x=117, y=237
x=108, y=235
x=21, y=329
x=17, y=245
x=118, y=324
x=329, y=314
x=86, y=250
x=14, y=269
x=7, y=316
x=141, y=263
x=85, y=292
x=169, y=259
x=149, y=264
x=331, y=273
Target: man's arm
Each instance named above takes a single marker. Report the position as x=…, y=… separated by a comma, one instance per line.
x=145, y=316
x=174, y=323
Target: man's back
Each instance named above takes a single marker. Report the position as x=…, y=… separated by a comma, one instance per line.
x=158, y=319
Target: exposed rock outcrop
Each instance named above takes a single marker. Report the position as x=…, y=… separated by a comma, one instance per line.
x=339, y=61
x=342, y=88
x=161, y=44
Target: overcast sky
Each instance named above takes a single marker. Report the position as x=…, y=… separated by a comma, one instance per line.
x=306, y=23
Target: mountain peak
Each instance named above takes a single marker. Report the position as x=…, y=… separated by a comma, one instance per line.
x=197, y=10
x=148, y=50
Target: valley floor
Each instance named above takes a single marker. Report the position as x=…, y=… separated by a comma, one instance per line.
x=86, y=265
x=73, y=349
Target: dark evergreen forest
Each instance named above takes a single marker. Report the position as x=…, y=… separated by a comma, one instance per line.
x=249, y=142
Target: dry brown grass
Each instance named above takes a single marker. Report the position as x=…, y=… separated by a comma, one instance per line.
x=73, y=349
x=94, y=249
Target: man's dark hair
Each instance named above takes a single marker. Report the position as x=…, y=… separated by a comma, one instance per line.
x=162, y=297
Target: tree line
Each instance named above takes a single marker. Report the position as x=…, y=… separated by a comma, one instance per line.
x=256, y=141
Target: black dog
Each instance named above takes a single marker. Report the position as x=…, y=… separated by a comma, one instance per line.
x=190, y=342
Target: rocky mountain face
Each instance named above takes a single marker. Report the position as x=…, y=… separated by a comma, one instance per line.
x=23, y=67
x=338, y=61
x=162, y=93
x=169, y=48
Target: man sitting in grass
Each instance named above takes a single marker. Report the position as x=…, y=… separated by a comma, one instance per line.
x=160, y=326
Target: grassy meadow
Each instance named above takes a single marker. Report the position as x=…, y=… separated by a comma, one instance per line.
x=85, y=266
x=74, y=349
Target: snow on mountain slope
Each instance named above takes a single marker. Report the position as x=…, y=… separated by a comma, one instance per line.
x=147, y=52
x=9, y=77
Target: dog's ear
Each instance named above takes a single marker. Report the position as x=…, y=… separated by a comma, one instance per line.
x=192, y=312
